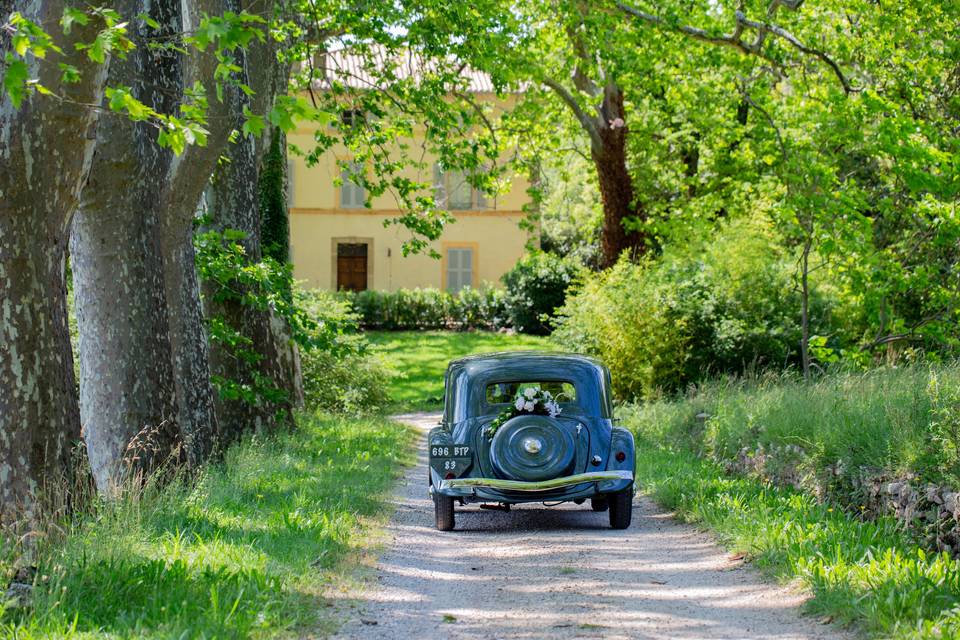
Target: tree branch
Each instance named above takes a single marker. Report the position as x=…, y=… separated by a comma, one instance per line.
x=735, y=39
x=581, y=80
x=732, y=40
x=589, y=124
x=795, y=42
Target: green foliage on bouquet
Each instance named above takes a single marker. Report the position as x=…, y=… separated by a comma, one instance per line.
x=530, y=400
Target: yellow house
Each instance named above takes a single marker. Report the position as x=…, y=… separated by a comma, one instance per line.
x=338, y=243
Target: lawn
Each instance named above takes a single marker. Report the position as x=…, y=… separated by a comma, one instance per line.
x=421, y=357
x=246, y=550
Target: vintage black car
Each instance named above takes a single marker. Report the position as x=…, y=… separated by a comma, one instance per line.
x=528, y=426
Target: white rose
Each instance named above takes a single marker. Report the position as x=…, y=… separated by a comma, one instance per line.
x=528, y=406
x=519, y=403
x=530, y=392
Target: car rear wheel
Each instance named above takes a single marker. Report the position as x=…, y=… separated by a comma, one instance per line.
x=443, y=512
x=621, y=508
x=599, y=504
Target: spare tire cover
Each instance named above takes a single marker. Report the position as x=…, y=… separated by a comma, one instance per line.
x=532, y=447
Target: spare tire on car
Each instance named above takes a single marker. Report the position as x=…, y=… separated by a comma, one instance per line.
x=533, y=447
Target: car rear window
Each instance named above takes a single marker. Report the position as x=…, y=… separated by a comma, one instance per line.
x=505, y=392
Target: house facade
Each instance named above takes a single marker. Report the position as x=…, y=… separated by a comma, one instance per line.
x=339, y=243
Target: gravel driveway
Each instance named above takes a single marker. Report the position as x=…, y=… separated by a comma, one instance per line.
x=561, y=572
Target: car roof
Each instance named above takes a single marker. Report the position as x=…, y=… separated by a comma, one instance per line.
x=539, y=357
x=466, y=377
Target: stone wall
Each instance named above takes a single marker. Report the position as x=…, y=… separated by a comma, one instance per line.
x=929, y=512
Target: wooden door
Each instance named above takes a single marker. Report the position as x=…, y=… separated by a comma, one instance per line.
x=351, y=267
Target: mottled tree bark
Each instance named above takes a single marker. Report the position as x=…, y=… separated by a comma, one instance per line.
x=233, y=203
x=45, y=151
x=606, y=125
x=187, y=176
x=127, y=395
x=616, y=185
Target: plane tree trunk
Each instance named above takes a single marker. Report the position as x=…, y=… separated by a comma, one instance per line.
x=616, y=186
x=234, y=203
x=186, y=178
x=606, y=125
x=127, y=393
x=45, y=151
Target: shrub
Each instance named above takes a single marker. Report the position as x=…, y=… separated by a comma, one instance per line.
x=536, y=286
x=718, y=306
x=344, y=377
x=405, y=309
x=622, y=316
x=354, y=384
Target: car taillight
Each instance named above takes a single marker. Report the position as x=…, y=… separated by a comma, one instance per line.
x=621, y=456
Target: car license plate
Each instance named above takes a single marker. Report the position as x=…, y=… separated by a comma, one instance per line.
x=450, y=458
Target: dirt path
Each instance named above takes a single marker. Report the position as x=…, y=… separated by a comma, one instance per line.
x=562, y=573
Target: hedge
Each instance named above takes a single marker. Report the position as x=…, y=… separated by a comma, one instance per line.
x=407, y=309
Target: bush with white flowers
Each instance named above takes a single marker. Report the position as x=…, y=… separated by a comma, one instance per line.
x=530, y=400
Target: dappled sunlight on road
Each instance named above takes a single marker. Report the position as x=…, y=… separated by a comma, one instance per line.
x=561, y=572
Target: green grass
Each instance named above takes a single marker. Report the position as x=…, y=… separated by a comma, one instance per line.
x=823, y=436
x=900, y=422
x=245, y=550
x=421, y=357
x=867, y=573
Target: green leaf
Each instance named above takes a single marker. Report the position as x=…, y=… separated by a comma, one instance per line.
x=20, y=43
x=73, y=15
x=147, y=20
x=122, y=101
x=69, y=74
x=281, y=117
x=15, y=80
x=253, y=123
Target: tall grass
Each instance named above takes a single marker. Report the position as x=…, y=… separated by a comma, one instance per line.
x=887, y=422
x=898, y=421
x=244, y=550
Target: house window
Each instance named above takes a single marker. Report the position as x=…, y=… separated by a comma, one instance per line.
x=352, y=193
x=454, y=192
x=459, y=268
x=349, y=118
x=351, y=266
x=459, y=191
x=352, y=117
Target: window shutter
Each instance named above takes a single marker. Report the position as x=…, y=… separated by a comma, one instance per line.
x=352, y=195
x=459, y=269
x=460, y=191
x=439, y=189
x=466, y=267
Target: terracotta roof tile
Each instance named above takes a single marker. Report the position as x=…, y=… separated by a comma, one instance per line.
x=360, y=71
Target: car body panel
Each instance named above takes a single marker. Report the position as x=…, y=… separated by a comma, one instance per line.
x=588, y=418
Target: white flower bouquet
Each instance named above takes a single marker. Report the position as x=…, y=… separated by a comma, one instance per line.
x=530, y=400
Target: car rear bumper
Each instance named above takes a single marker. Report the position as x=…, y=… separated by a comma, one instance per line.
x=466, y=486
